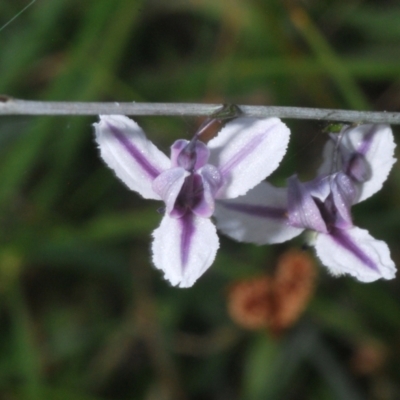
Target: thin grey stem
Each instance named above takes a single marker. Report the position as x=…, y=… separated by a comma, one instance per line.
x=10, y=106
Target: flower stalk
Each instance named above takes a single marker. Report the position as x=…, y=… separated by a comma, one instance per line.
x=10, y=106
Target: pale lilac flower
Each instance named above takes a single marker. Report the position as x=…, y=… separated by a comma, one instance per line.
x=245, y=151
x=356, y=163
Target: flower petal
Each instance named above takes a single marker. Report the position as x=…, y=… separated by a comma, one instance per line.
x=176, y=149
x=246, y=151
x=319, y=187
x=343, y=192
x=211, y=182
x=125, y=149
x=355, y=252
x=302, y=209
x=200, y=149
x=168, y=185
x=258, y=217
x=184, y=248
x=375, y=143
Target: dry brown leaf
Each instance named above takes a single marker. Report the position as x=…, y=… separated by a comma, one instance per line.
x=274, y=302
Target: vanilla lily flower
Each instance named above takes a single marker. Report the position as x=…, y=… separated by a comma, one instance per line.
x=244, y=153
x=356, y=163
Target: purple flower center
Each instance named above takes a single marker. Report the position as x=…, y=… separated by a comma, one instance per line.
x=310, y=209
x=199, y=187
x=331, y=215
x=190, y=196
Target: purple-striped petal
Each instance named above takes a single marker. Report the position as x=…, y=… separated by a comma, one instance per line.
x=168, y=186
x=377, y=144
x=125, y=149
x=258, y=217
x=246, y=151
x=184, y=248
x=355, y=252
x=366, y=153
x=302, y=208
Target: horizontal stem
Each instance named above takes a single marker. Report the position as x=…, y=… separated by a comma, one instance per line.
x=10, y=106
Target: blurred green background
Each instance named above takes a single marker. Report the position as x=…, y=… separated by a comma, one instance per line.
x=83, y=313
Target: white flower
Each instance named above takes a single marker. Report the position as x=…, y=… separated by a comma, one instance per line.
x=356, y=163
x=244, y=153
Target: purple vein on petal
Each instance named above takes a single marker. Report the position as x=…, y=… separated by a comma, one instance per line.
x=135, y=153
x=341, y=238
x=244, y=152
x=187, y=232
x=256, y=211
x=367, y=141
